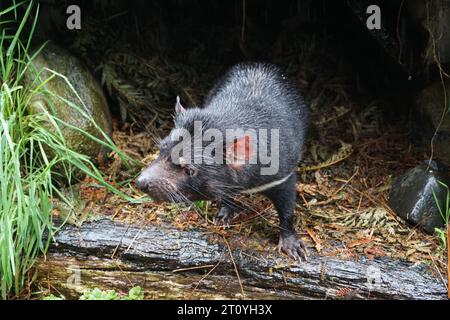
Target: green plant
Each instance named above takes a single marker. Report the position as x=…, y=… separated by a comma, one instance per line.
x=27, y=171
x=442, y=237
x=97, y=294
x=135, y=293
x=445, y=214
x=201, y=204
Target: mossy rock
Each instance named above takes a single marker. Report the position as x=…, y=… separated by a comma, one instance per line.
x=95, y=105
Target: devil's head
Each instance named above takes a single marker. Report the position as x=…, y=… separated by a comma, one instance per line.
x=196, y=162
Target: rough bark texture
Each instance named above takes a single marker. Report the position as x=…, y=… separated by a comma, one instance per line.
x=170, y=263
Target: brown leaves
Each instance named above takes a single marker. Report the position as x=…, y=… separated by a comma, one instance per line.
x=315, y=238
x=91, y=191
x=341, y=154
x=186, y=218
x=358, y=242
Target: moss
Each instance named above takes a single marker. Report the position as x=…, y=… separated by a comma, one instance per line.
x=60, y=60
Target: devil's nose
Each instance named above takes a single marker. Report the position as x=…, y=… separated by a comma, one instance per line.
x=141, y=183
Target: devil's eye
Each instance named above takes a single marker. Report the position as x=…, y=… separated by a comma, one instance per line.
x=190, y=171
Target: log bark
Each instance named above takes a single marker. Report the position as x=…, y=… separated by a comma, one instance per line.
x=170, y=263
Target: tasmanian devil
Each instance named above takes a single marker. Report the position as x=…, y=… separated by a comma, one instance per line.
x=247, y=138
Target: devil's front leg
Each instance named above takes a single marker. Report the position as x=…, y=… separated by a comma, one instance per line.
x=283, y=198
x=226, y=213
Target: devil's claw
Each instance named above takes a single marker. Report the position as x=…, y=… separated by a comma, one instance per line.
x=223, y=217
x=293, y=247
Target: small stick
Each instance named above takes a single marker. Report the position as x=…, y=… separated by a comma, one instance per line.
x=204, y=277
x=193, y=268
x=437, y=269
x=120, y=242
x=235, y=267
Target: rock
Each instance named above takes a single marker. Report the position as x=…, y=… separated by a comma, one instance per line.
x=411, y=195
x=429, y=107
x=60, y=60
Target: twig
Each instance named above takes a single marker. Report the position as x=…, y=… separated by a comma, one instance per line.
x=343, y=153
x=438, y=271
x=204, y=277
x=400, y=43
x=193, y=268
x=346, y=182
x=120, y=242
x=123, y=272
x=135, y=237
x=442, y=74
x=235, y=267
x=242, y=39
x=243, y=22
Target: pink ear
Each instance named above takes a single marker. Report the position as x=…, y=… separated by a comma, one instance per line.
x=240, y=151
x=178, y=107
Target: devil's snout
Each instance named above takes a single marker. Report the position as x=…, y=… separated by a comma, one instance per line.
x=150, y=179
x=146, y=178
x=141, y=183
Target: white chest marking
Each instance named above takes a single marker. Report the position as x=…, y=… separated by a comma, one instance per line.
x=266, y=186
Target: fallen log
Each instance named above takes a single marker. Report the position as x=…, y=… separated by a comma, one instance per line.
x=170, y=263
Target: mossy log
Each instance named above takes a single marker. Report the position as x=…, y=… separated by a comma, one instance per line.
x=170, y=263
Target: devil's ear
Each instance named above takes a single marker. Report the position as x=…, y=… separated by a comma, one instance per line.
x=178, y=107
x=239, y=151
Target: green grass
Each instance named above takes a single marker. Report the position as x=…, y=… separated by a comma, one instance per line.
x=445, y=214
x=27, y=172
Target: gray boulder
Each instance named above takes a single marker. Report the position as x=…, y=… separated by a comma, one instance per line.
x=411, y=195
x=88, y=88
